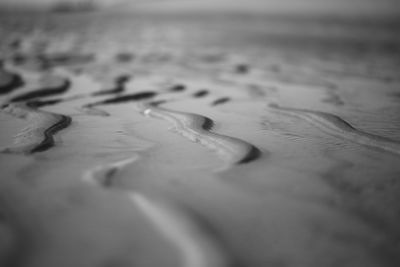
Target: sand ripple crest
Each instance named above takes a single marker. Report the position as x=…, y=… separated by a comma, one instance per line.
x=197, y=128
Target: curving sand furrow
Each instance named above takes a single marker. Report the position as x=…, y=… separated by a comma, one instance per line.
x=338, y=127
x=197, y=129
x=195, y=246
x=39, y=135
x=43, y=103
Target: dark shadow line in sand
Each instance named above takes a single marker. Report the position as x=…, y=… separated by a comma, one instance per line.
x=157, y=103
x=338, y=127
x=125, y=98
x=178, y=88
x=220, y=101
x=48, y=140
x=43, y=103
x=15, y=83
x=201, y=93
x=43, y=92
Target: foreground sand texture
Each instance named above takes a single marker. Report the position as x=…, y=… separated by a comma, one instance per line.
x=198, y=142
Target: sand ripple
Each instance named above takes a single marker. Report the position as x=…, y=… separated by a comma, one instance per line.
x=39, y=135
x=197, y=129
x=337, y=126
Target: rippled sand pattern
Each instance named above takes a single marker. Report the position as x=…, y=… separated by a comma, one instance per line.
x=199, y=142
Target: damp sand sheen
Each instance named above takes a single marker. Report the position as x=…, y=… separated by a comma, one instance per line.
x=168, y=142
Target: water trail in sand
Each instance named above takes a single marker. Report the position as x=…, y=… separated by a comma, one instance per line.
x=197, y=129
x=39, y=135
x=338, y=127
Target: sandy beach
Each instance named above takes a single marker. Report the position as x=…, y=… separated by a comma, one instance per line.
x=199, y=141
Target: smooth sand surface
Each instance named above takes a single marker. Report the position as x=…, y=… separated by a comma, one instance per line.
x=198, y=142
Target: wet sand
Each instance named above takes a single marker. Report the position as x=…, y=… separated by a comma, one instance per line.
x=199, y=141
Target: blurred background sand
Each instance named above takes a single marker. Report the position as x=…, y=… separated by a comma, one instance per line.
x=167, y=100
